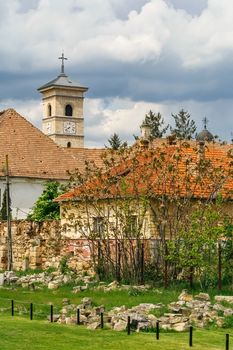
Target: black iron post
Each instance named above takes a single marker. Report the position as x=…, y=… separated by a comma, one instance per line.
x=78, y=316
x=190, y=336
x=128, y=325
x=31, y=311
x=227, y=342
x=157, y=330
x=51, y=313
x=102, y=320
x=12, y=308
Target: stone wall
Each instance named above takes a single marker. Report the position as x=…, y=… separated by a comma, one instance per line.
x=45, y=244
x=41, y=245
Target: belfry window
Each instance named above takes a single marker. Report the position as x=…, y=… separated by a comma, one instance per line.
x=68, y=111
x=49, y=110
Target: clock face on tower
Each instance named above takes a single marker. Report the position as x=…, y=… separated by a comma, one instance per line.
x=69, y=127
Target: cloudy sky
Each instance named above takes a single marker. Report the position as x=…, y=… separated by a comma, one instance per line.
x=134, y=55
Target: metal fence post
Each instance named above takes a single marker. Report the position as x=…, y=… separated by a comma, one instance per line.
x=12, y=308
x=191, y=336
x=128, y=325
x=51, y=313
x=31, y=311
x=227, y=341
x=157, y=330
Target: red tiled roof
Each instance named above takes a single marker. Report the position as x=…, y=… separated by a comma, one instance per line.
x=33, y=154
x=172, y=170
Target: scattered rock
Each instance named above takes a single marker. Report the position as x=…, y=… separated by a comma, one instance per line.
x=120, y=326
x=2, y=279
x=87, y=302
x=184, y=296
x=202, y=296
x=93, y=325
x=227, y=298
x=53, y=285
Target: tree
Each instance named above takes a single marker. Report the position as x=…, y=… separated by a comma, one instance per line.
x=45, y=208
x=195, y=248
x=142, y=193
x=184, y=126
x=3, y=211
x=156, y=122
x=115, y=142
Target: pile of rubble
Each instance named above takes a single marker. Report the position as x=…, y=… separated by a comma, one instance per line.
x=116, y=319
x=52, y=280
x=186, y=311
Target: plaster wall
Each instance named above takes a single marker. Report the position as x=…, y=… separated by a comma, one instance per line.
x=23, y=193
x=77, y=219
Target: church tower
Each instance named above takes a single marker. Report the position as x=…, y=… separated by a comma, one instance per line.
x=63, y=110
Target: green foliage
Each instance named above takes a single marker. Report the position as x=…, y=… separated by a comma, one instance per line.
x=185, y=127
x=228, y=322
x=64, y=268
x=3, y=211
x=135, y=291
x=45, y=208
x=195, y=250
x=156, y=122
x=116, y=143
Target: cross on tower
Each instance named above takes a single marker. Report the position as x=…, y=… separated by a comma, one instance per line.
x=62, y=58
x=205, y=121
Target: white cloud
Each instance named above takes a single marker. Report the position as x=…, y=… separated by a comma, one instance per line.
x=90, y=30
x=30, y=109
x=124, y=116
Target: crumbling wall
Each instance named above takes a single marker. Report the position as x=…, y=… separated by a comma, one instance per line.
x=41, y=245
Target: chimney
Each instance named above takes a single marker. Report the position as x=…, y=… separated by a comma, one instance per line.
x=145, y=138
x=145, y=131
x=201, y=150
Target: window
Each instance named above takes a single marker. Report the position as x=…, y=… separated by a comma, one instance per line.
x=131, y=226
x=98, y=225
x=49, y=110
x=68, y=111
x=68, y=144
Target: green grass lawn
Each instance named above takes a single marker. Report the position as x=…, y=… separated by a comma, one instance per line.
x=42, y=298
x=22, y=334
x=109, y=299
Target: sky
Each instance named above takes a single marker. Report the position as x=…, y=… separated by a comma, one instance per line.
x=134, y=55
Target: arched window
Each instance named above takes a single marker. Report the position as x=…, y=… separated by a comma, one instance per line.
x=68, y=144
x=49, y=110
x=68, y=111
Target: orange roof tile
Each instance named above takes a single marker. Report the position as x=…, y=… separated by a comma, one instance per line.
x=32, y=154
x=172, y=170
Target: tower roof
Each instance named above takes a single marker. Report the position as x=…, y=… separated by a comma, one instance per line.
x=205, y=135
x=62, y=80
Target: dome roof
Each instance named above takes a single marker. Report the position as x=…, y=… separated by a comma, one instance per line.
x=204, y=135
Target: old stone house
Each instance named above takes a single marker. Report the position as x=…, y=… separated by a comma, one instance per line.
x=146, y=195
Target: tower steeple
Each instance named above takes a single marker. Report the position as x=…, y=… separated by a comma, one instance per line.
x=63, y=110
x=62, y=58
x=205, y=135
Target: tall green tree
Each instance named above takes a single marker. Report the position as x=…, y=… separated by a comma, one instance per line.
x=45, y=208
x=3, y=211
x=156, y=121
x=185, y=127
x=115, y=142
